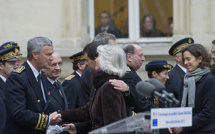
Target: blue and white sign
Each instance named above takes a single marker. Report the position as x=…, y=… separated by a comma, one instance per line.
x=171, y=117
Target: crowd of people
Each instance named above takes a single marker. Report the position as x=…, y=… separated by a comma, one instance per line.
x=102, y=88
x=147, y=26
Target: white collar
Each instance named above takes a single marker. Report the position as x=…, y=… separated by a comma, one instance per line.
x=182, y=68
x=78, y=73
x=35, y=72
x=50, y=80
x=3, y=78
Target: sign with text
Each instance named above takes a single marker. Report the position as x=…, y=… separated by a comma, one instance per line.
x=171, y=117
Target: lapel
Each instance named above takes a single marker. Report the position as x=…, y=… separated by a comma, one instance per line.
x=54, y=93
x=2, y=89
x=34, y=84
x=77, y=76
x=47, y=93
x=180, y=71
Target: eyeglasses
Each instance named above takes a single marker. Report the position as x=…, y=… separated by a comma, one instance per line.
x=55, y=64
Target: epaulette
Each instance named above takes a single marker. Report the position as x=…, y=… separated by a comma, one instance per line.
x=70, y=77
x=128, y=69
x=19, y=69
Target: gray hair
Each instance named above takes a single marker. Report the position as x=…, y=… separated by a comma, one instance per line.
x=104, y=38
x=129, y=48
x=112, y=59
x=36, y=44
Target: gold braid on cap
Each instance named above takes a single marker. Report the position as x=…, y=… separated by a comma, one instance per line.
x=179, y=48
x=81, y=57
x=7, y=56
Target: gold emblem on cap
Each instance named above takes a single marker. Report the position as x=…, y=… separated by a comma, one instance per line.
x=189, y=41
x=180, y=47
x=7, y=56
x=81, y=57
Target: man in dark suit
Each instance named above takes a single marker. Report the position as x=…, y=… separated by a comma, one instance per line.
x=134, y=101
x=27, y=96
x=175, y=82
x=57, y=96
x=7, y=64
x=106, y=25
x=72, y=82
x=86, y=88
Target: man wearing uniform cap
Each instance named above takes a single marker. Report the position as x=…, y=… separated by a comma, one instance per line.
x=7, y=64
x=176, y=75
x=72, y=82
x=27, y=97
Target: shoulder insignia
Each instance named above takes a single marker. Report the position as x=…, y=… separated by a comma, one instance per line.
x=70, y=77
x=128, y=69
x=19, y=69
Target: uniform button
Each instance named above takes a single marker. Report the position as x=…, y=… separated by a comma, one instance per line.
x=38, y=101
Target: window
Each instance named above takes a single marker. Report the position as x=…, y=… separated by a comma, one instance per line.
x=124, y=18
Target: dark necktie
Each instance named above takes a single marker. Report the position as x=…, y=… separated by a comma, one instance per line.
x=57, y=87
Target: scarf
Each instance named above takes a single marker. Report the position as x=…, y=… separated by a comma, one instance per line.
x=190, y=80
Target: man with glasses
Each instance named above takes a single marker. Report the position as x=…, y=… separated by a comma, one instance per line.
x=7, y=64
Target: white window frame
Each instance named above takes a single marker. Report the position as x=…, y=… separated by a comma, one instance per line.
x=134, y=25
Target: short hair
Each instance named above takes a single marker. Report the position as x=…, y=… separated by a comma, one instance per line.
x=213, y=42
x=106, y=13
x=75, y=64
x=91, y=50
x=151, y=17
x=198, y=50
x=129, y=48
x=36, y=44
x=112, y=59
x=104, y=38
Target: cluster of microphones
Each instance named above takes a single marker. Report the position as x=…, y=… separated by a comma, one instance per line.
x=154, y=87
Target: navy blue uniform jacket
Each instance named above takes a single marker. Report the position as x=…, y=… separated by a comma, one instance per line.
x=3, y=115
x=139, y=102
x=26, y=111
x=2, y=89
x=71, y=89
x=175, y=82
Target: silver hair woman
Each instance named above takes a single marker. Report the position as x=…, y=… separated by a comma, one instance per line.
x=112, y=60
x=108, y=104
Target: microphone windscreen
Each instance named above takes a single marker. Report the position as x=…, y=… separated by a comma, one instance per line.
x=145, y=88
x=158, y=85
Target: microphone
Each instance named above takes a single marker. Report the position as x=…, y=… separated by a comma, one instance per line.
x=161, y=88
x=148, y=90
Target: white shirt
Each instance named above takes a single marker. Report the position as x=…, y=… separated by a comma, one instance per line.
x=182, y=68
x=3, y=78
x=36, y=73
x=78, y=73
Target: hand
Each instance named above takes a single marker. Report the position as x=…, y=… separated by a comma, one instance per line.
x=119, y=85
x=177, y=130
x=71, y=129
x=170, y=130
x=55, y=118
